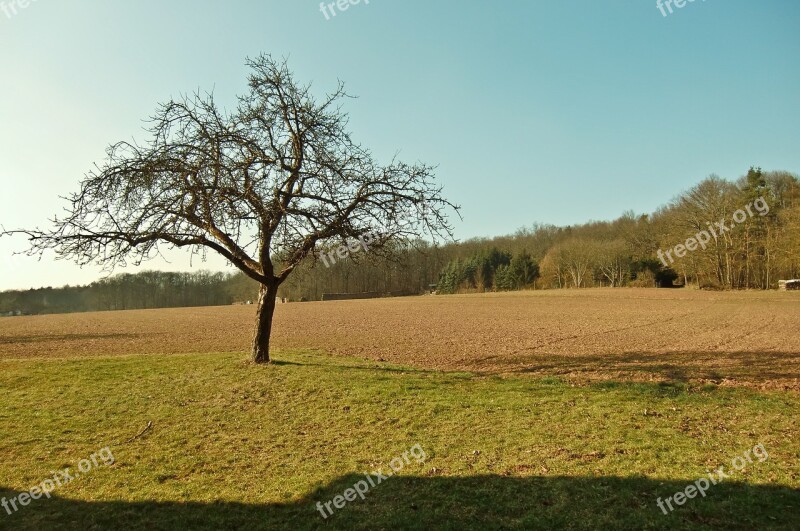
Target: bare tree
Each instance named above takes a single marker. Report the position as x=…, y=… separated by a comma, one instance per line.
x=574, y=257
x=265, y=186
x=612, y=260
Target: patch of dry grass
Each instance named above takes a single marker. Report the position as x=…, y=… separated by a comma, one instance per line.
x=238, y=446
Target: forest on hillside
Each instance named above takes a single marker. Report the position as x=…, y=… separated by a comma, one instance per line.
x=750, y=253
x=126, y=291
x=717, y=235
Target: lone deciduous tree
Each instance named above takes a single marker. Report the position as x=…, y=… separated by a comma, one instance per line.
x=265, y=186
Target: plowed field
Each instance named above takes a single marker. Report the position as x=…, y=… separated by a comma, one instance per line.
x=745, y=338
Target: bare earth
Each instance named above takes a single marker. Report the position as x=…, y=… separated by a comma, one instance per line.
x=743, y=338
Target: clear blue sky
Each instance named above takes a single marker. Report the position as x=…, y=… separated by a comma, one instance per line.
x=557, y=111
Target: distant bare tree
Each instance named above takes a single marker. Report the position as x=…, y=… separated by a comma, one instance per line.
x=265, y=186
x=573, y=257
x=612, y=260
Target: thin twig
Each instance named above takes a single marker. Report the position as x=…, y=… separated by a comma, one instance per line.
x=149, y=425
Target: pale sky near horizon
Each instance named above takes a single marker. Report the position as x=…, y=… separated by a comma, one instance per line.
x=559, y=111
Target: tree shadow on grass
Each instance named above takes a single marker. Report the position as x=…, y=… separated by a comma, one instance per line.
x=42, y=338
x=343, y=364
x=449, y=503
x=781, y=369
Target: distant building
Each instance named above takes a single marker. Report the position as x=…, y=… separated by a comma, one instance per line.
x=789, y=285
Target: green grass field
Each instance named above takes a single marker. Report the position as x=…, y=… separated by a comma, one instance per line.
x=237, y=446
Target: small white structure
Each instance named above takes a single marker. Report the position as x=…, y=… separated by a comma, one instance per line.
x=789, y=285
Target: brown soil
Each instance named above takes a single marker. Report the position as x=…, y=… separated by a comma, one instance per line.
x=743, y=338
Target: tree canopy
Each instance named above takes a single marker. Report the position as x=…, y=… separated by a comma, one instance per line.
x=265, y=186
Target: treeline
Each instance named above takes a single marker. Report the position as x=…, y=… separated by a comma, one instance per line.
x=144, y=290
x=761, y=241
x=487, y=271
x=753, y=252
x=680, y=244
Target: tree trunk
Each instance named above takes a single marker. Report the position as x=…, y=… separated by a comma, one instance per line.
x=264, y=312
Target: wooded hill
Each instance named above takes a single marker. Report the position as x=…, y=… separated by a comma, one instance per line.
x=759, y=246
x=752, y=254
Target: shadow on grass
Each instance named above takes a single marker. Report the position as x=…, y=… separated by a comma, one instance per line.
x=343, y=364
x=10, y=340
x=477, y=502
x=681, y=367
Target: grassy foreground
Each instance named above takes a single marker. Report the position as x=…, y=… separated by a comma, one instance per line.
x=235, y=446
